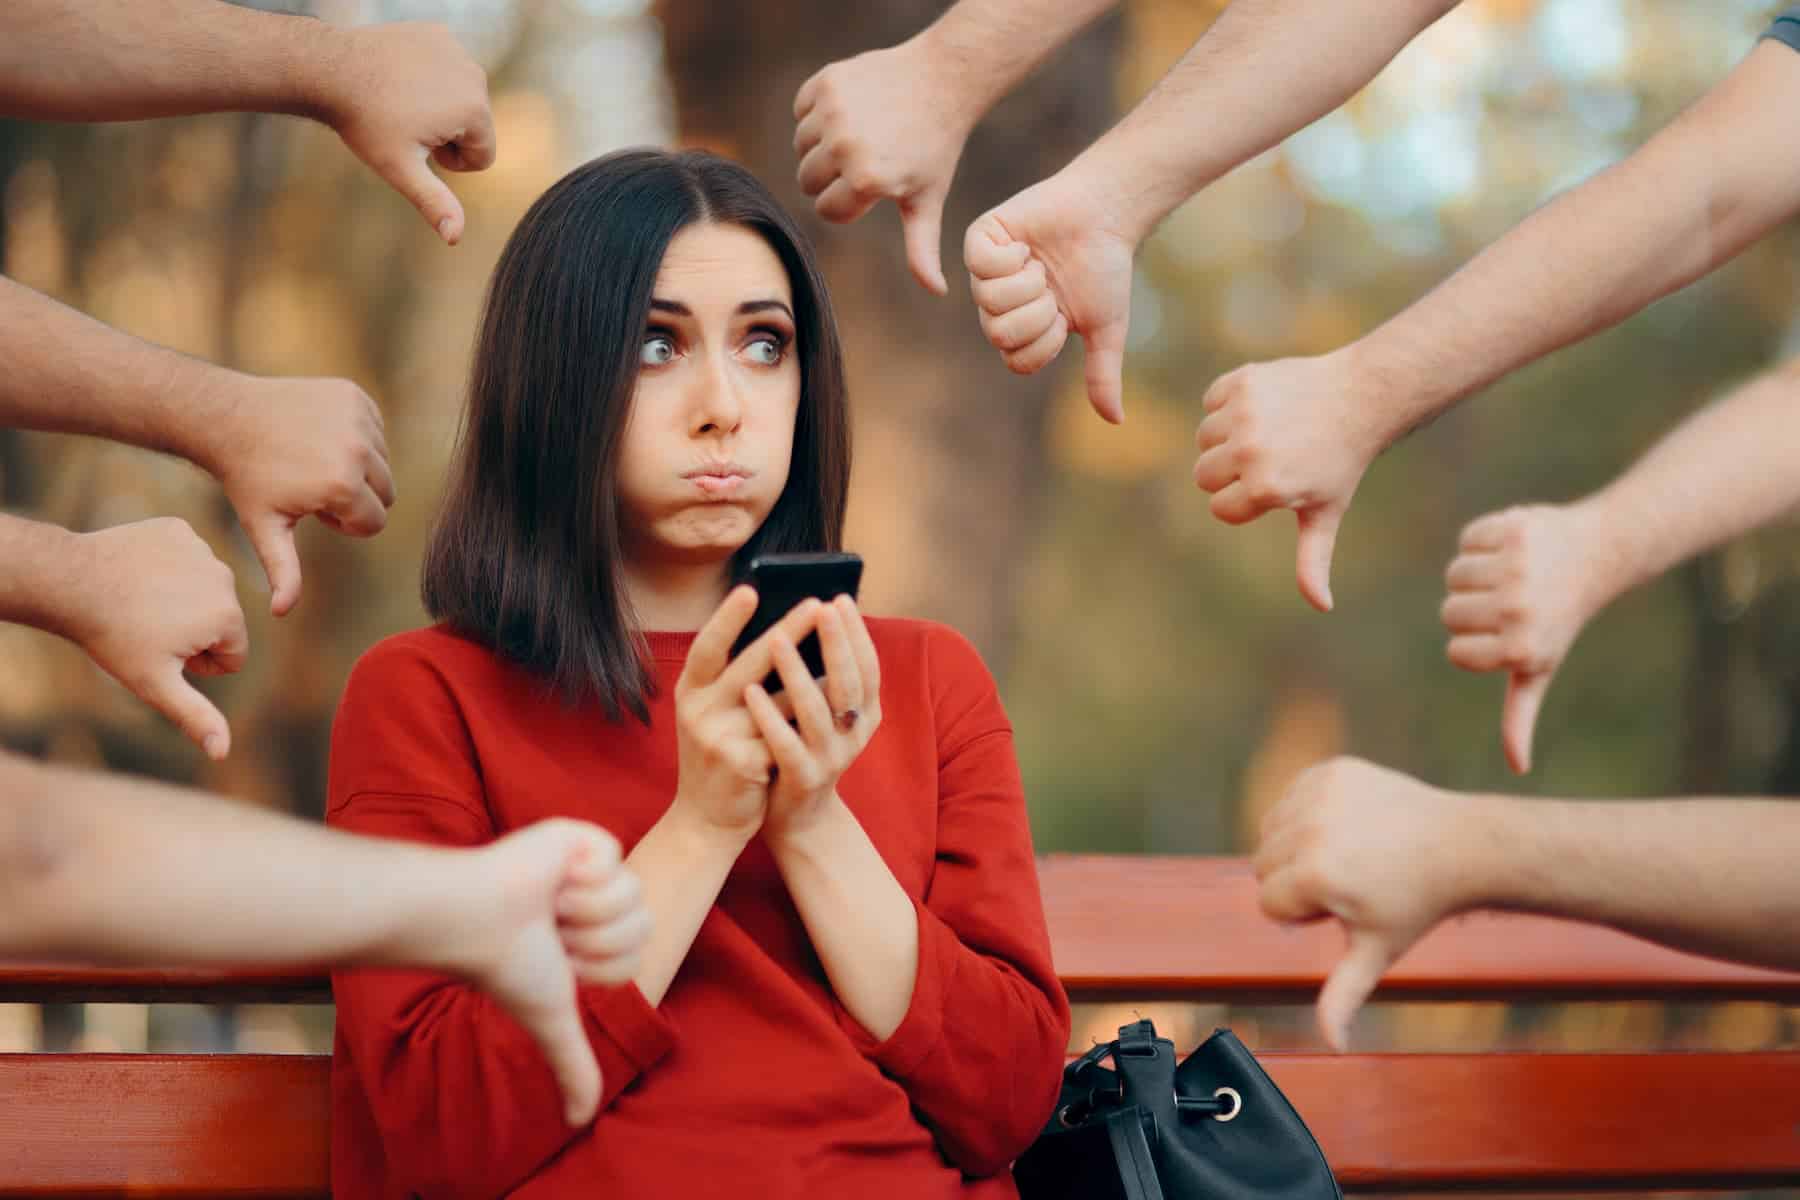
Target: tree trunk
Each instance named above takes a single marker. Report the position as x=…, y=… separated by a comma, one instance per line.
x=951, y=447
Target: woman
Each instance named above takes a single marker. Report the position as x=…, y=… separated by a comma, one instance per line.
x=847, y=990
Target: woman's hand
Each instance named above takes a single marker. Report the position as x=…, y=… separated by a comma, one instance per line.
x=724, y=760
x=834, y=722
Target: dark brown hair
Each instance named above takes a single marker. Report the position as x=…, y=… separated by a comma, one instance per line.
x=525, y=555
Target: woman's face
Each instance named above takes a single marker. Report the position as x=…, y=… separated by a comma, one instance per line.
x=711, y=430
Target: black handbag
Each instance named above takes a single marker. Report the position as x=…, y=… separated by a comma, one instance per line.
x=1213, y=1128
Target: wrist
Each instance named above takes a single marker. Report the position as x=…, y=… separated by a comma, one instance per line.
x=701, y=839
x=815, y=838
x=50, y=578
x=1111, y=185
x=1481, y=841
x=435, y=916
x=314, y=69
x=1390, y=389
x=1615, y=563
x=958, y=75
x=211, y=437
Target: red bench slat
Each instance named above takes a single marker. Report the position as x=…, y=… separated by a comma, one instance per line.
x=228, y=1125
x=256, y=1125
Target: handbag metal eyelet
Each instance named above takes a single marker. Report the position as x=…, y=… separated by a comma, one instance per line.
x=1062, y=1116
x=1237, y=1104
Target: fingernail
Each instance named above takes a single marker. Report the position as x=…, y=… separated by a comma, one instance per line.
x=214, y=745
x=443, y=228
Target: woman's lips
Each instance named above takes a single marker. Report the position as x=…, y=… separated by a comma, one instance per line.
x=719, y=481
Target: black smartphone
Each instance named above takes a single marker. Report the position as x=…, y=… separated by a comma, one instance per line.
x=784, y=580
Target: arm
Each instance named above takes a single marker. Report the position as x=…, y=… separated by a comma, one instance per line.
x=1527, y=580
x=396, y=94
x=284, y=449
x=953, y=991
x=890, y=124
x=1299, y=433
x=1391, y=857
x=1689, y=200
x=1056, y=258
x=102, y=869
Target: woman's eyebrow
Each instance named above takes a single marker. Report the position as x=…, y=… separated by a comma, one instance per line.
x=658, y=304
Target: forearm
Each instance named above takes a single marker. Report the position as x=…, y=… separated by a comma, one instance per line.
x=1712, y=876
x=862, y=923
x=988, y=47
x=107, y=869
x=682, y=864
x=1726, y=470
x=62, y=372
x=41, y=573
x=126, y=60
x=1265, y=69
x=1690, y=199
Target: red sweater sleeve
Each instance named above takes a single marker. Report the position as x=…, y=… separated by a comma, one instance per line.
x=465, y=1103
x=981, y=1048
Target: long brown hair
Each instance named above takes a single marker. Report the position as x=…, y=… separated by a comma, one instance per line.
x=525, y=555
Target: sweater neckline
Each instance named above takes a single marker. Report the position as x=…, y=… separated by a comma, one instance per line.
x=666, y=646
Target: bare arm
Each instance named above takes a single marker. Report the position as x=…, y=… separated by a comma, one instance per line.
x=125, y=60
x=1056, y=258
x=1690, y=199
x=1724, y=471
x=1299, y=433
x=1265, y=69
x=1391, y=857
x=861, y=921
x=397, y=94
x=120, y=871
x=68, y=373
x=1526, y=580
x=102, y=869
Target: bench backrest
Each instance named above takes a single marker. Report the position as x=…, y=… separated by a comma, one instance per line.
x=1124, y=929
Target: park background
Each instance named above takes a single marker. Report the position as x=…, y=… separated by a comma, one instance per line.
x=1165, y=679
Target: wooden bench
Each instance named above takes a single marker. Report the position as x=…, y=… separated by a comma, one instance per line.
x=1126, y=929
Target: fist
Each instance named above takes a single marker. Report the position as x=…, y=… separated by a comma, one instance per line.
x=882, y=126
x=154, y=602
x=288, y=449
x=1048, y=263
x=1520, y=590
x=1288, y=434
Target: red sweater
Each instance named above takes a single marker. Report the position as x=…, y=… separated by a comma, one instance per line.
x=750, y=1079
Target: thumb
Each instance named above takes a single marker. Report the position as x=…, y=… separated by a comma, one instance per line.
x=172, y=695
x=559, y=1034
x=1313, y=550
x=1350, y=983
x=1105, y=370
x=410, y=174
x=273, y=538
x=922, y=223
x=1518, y=717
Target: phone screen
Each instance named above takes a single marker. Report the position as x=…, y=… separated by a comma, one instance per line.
x=784, y=580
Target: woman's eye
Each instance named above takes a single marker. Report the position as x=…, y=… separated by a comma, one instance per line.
x=766, y=350
x=657, y=351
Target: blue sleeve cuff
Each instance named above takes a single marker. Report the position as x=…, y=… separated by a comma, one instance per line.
x=1786, y=28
